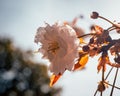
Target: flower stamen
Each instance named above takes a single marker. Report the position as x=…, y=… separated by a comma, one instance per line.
x=53, y=47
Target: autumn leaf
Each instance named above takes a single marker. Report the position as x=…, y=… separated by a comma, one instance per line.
x=82, y=41
x=82, y=62
x=53, y=79
x=76, y=66
x=102, y=63
x=98, y=29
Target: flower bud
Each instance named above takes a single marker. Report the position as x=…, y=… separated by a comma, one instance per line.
x=91, y=41
x=101, y=87
x=86, y=48
x=94, y=15
x=117, y=59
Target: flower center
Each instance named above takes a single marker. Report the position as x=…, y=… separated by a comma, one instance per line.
x=53, y=47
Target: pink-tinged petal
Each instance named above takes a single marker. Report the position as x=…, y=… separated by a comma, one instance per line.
x=59, y=45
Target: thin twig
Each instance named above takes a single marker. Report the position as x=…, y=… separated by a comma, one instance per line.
x=112, y=85
x=106, y=20
x=86, y=35
x=103, y=73
x=114, y=82
x=113, y=28
x=101, y=93
x=105, y=79
x=108, y=73
x=95, y=92
x=109, y=21
x=102, y=78
x=110, y=28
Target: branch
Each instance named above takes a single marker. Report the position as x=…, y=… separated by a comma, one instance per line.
x=114, y=82
x=86, y=35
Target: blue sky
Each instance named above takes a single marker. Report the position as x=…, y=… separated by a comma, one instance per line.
x=19, y=19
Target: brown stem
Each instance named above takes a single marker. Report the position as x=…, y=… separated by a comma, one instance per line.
x=110, y=29
x=103, y=73
x=114, y=83
x=108, y=73
x=101, y=93
x=114, y=65
x=86, y=35
x=102, y=78
x=108, y=21
x=95, y=92
x=105, y=79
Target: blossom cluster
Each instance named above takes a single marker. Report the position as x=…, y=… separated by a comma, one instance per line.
x=64, y=47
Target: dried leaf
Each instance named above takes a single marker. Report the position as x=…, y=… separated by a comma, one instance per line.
x=102, y=63
x=54, y=79
x=98, y=29
x=76, y=66
x=82, y=41
x=99, y=67
x=82, y=62
x=92, y=53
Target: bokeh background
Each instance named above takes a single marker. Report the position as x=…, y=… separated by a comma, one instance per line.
x=19, y=20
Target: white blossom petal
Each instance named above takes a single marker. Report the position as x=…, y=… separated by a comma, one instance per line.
x=59, y=46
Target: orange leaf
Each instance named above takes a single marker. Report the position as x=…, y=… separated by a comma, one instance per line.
x=82, y=62
x=82, y=41
x=99, y=67
x=54, y=79
x=98, y=29
x=76, y=66
x=102, y=63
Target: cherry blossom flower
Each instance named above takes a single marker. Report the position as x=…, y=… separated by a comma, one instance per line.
x=59, y=45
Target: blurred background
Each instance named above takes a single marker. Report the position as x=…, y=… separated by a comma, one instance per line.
x=23, y=73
